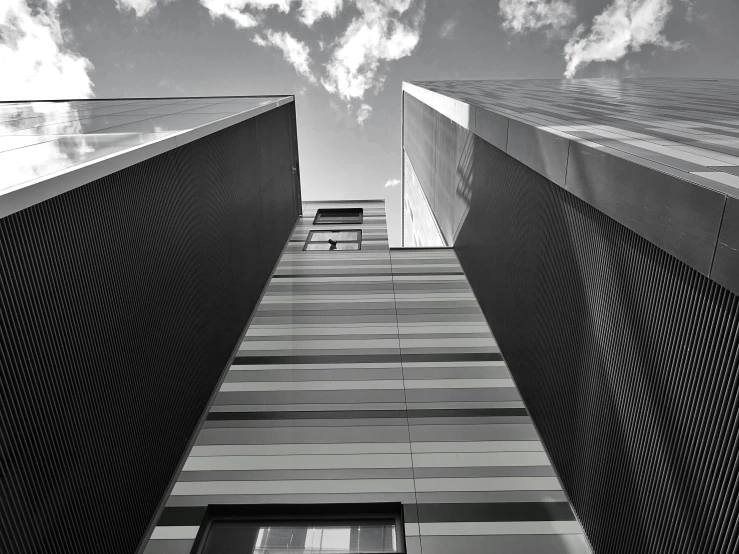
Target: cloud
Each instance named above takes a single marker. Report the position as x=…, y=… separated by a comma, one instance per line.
x=363, y=112
x=35, y=58
x=313, y=10
x=530, y=15
x=381, y=32
x=295, y=52
x=235, y=10
x=141, y=7
x=448, y=28
x=624, y=26
x=392, y=183
x=384, y=31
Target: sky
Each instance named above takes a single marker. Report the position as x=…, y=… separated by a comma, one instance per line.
x=345, y=60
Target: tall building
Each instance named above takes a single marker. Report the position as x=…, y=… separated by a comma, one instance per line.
x=368, y=376
x=136, y=237
x=597, y=222
x=195, y=361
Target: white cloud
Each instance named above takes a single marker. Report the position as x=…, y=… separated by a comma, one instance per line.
x=363, y=112
x=624, y=26
x=260, y=41
x=384, y=31
x=141, y=7
x=448, y=28
x=529, y=15
x=236, y=10
x=35, y=58
x=313, y=10
x=392, y=183
x=295, y=52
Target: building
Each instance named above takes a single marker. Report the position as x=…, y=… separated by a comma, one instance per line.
x=369, y=376
x=136, y=237
x=596, y=221
x=195, y=361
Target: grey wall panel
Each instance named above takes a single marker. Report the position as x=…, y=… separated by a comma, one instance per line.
x=120, y=304
x=725, y=269
x=442, y=158
x=625, y=357
x=543, y=152
x=491, y=127
x=674, y=214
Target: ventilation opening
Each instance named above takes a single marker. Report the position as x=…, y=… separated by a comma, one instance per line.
x=334, y=216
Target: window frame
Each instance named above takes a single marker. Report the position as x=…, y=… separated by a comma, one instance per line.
x=308, y=513
x=325, y=212
x=358, y=242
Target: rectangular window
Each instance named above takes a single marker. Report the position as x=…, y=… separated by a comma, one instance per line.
x=351, y=239
x=301, y=529
x=334, y=216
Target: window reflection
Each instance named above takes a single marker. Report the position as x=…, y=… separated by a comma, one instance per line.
x=337, y=539
x=336, y=235
x=334, y=240
x=41, y=138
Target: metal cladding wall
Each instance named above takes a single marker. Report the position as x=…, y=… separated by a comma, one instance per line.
x=121, y=303
x=625, y=357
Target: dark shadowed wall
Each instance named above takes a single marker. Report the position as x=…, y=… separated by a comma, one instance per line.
x=625, y=357
x=121, y=302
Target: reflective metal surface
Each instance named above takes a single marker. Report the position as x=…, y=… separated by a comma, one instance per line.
x=687, y=125
x=39, y=139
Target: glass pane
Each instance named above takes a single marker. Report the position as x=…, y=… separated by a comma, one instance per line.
x=334, y=539
x=335, y=235
x=347, y=246
x=318, y=246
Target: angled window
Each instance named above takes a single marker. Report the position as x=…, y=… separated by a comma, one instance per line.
x=350, y=239
x=338, y=216
x=320, y=529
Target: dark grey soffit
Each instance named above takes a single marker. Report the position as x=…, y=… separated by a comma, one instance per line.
x=684, y=214
x=35, y=191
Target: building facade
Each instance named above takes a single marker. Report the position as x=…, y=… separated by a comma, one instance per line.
x=196, y=361
x=370, y=376
x=596, y=221
x=136, y=237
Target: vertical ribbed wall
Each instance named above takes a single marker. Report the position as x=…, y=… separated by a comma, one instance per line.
x=626, y=358
x=120, y=304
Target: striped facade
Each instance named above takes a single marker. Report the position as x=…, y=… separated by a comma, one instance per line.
x=371, y=376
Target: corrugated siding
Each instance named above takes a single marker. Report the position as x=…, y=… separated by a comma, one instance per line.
x=625, y=357
x=120, y=304
x=371, y=376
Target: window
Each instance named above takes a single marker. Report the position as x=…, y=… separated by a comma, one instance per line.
x=301, y=529
x=351, y=239
x=334, y=216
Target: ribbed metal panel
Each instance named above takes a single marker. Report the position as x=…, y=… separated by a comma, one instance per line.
x=120, y=304
x=626, y=358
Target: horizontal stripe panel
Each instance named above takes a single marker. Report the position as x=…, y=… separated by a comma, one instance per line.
x=319, y=486
x=488, y=484
x=315, y=461
x=502, y=528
